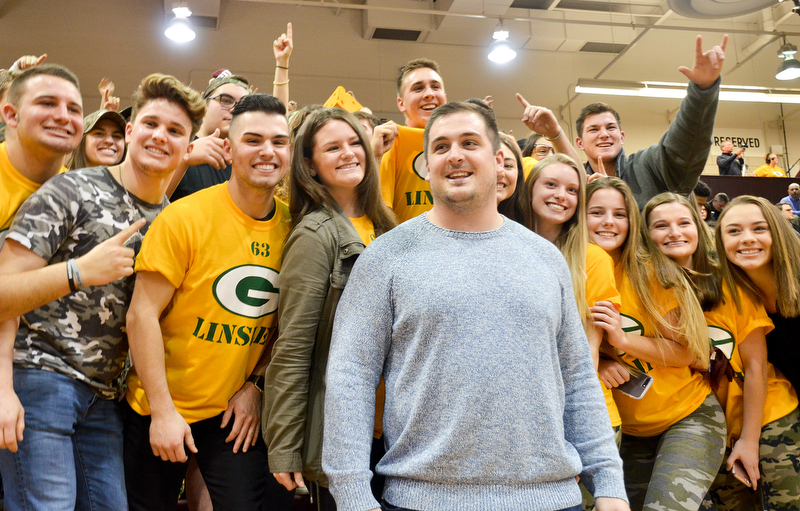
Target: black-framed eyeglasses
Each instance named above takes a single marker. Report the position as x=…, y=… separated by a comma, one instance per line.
x=226, y=101
x=541, y=150
x=774, y=158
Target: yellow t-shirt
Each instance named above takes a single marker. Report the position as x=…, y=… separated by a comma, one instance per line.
x=528, y=163
x=601, y=286
x=767, y=171
x=225, y=268
x=727, y=328
x=403, y=173
x=676, y=391
x=364, y=228
x=14, y=190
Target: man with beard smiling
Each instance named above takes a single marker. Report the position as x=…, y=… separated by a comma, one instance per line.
x=676, y=162
x=475, y=418
x=201, y=323
x=65, y=285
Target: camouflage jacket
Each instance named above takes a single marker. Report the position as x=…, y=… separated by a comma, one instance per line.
x=81, y=335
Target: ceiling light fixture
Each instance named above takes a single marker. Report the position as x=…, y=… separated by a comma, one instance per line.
x=502, y=51
x=678, y=91
x=790, y=68
x=179, y=29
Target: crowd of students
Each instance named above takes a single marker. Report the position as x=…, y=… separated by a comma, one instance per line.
x=264, y=207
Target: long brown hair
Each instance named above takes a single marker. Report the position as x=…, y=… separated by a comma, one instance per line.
x=511, y=207
x=309, y=194
x=785, y=259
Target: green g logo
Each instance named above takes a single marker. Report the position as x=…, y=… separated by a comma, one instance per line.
x=631, y=325
x=420, y=166
x=249, y=290
x=722, y=339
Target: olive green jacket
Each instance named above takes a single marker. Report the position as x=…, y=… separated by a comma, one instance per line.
x=317, y=258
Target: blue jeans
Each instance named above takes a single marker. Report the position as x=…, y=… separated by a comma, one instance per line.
x=71, y=454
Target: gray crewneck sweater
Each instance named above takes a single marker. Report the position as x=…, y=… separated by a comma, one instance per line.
x=492, y=401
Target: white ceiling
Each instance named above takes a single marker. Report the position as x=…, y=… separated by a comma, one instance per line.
x=123, y=40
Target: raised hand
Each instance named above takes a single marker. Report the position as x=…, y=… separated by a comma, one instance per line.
x=282, y=47
x=29, y=61
x=107, y=99
x=707, y=65
x=539, y=119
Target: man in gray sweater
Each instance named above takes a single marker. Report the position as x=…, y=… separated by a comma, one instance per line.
x=673, y=164
x=491, y=397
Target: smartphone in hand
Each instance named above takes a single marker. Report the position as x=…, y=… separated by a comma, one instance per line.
x=637, y=386
x=738, y=471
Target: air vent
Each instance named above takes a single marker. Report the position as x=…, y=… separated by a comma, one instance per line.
x=532, y=4
x=603, y=47
x=393, y=34
x=203, y=21
x=582, y=5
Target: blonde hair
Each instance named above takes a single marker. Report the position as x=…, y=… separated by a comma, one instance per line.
x=574, y=236
x=642, y=271
x=692, y=327
x=785, y=259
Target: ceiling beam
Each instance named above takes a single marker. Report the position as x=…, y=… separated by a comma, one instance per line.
x=545, y=18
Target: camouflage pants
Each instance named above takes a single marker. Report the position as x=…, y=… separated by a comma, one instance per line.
x=674, y=470
x=779, y=486
x=588, y=500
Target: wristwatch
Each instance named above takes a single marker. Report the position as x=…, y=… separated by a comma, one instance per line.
x=258, y=381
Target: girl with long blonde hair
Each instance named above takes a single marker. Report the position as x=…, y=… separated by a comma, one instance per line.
x=759, y=255
x=659, y=331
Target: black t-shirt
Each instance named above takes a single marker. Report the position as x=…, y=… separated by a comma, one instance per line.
x=199, y=177
x=783, y=347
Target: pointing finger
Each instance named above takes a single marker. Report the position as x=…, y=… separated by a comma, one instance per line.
x=522, y=100
x=122, y=236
